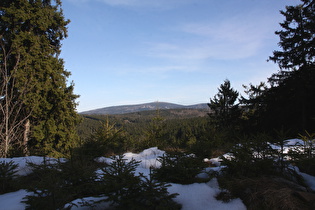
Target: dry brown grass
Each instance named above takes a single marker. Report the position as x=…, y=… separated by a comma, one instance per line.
x=272, y=193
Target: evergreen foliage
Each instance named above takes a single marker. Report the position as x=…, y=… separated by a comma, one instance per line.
x=154, y=195
x=106, y=140
x=30, y=39
x=56, y=183
x=258, y=175
x=223, y=107
x=294, y=83
x=304, y=155
x=260, y=160
x=288, y=102
x=309, y=144
x=7, y=174
x=254, y=106
x=48, y=187
x=297, y=38
x=178, y=168
x=125, y=190
x=289, y=105
x=253, y=157
x=192, y=134
x=155, y=132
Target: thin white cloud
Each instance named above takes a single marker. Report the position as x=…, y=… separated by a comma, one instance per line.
x=138, y=4
x=162, y=4
x=233, y=38
x=171, y=68
x=205, y=50
x=240, y=30
x=158, y=71
x=124, y=2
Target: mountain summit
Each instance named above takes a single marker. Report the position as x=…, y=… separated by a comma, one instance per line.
x=142, y=107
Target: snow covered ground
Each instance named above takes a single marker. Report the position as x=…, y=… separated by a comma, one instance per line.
x=197, y=196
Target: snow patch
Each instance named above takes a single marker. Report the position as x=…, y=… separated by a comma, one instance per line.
x=22, y=162
x=12, y=201
x=147, y=157
x=200, y=196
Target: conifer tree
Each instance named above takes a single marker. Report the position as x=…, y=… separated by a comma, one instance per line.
x=31, y=32
x=287, y=104
x=155, y=133
x=255, y=104
x=224, y=110
x=290, y=100
x=297, y=37
x=297, y=42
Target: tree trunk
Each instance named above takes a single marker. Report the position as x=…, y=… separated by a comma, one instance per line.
x=25, y=137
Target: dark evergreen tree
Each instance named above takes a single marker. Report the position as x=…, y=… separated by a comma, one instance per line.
x=106, y=140
x=155, y=132
x=297, y=39
x=223, y=108
x=291, y=98
x=126, y=190
x=287, y=104
x=178, y=167
x=31, y=32
x=254, y=107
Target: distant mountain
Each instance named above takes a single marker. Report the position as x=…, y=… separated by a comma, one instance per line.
x=142, y=107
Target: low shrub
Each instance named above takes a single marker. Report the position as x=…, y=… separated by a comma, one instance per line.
x=178, y=168
x=54, y=184
x=125, y=190
x=263, y=179
x=7, y=175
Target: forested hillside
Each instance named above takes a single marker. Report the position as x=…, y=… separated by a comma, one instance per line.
x=124, y=109
x=169, y=129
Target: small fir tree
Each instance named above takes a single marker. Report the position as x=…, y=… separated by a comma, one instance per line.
x=125, y=190
x=224, y=111
x=178, y=168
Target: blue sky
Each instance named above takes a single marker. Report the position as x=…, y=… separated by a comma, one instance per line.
x=137, y=51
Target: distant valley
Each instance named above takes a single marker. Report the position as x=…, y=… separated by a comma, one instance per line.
x=125, y=109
